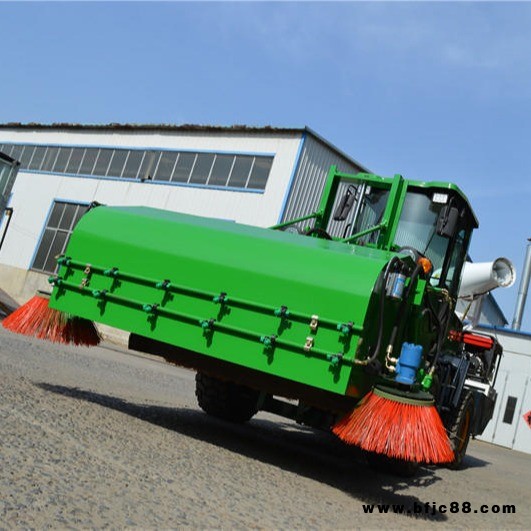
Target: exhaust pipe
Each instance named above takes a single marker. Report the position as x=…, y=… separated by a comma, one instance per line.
x=522, y=290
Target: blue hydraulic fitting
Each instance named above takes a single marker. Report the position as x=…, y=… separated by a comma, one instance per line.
x=408, y=363
x=149, y=308
x=397, y=289
x=55, y=281
x=164, y=284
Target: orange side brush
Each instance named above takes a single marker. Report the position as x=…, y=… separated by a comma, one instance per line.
x=396, y=426
x=37, y=319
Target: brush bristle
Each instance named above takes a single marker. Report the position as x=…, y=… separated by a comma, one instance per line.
x=399, y=430
x=37, y=319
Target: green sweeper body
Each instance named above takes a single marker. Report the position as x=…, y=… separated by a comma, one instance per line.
x=293, y=311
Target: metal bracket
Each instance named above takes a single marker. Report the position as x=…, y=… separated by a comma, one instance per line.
x=165, y=284
x=85, y=281
x=345, y=329
x=207, y=324
x=268, y=341
x=282, y=312
x=335, y=359
x=314, y=323
x=221, y=298
x=64, y=260
x=55, y=281
x=308, y=345
x=99, y=294
x=113, y=272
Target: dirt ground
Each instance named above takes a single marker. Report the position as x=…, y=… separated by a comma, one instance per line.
x=102, y=438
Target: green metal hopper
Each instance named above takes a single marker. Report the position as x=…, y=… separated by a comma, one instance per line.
x=267, y=300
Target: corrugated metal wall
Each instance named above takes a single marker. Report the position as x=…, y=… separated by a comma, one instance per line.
x=314, y=163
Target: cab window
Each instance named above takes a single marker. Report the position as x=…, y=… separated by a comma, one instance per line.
x=417, y=228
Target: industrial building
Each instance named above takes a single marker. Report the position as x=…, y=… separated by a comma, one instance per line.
x=511, y=424
x=256, y=176
x=253, y=175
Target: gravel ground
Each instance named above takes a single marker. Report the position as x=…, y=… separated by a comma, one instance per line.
x=100, y=438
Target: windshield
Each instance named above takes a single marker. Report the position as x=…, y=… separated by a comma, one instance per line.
x=417, y=228
x=371, y=214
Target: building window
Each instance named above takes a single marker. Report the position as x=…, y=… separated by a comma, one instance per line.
x=218, y=170
x=133, y=164
x=202, y=168
x=75, y=160
x=59, y=226
x=165, y=165
x=240, y=172
x=38, y=156
x=221, y=170
x=183, y=167
x=509, y=410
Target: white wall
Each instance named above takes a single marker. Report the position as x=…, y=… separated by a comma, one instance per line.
x=514, y=379
x=34, y=193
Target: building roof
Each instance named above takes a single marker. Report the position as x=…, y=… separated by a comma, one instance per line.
x=508, y=331
x=153, y=127
x=190, y=128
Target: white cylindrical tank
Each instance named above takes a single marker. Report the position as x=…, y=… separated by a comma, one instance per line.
x=481, y=277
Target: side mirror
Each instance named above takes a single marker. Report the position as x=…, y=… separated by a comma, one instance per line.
x=448, y=221
x=345, y=205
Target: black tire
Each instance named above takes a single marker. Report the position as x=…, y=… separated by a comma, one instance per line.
x=225, y=400
x=388, y=465
x=459, y=426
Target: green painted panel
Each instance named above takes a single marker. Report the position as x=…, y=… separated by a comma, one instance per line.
x=260, y=271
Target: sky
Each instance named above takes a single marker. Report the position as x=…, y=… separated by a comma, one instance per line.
x=433, y=91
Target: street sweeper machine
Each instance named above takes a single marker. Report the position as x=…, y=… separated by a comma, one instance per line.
x=343, y=319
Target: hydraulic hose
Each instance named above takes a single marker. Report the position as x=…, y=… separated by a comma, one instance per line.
x=403, y=303
x=383, y=282
x=443, y=318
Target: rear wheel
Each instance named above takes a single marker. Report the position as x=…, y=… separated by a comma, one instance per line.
x=459, y=426
x=225, y=400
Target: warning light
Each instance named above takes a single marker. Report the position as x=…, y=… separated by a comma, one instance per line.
x=425, y=263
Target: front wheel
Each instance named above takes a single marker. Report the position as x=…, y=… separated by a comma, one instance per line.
x=459, y=427
x=225, y=400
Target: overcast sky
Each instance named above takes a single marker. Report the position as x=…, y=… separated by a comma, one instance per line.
x=434, y=91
